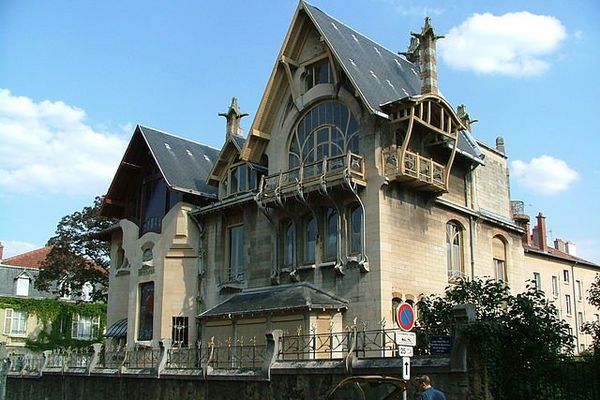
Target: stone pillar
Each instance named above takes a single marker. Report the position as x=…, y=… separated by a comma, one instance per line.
x=428, y=58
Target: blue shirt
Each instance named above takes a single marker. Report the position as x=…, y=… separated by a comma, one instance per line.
x=432, y=394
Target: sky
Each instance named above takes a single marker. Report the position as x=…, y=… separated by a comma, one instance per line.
x=76, y=77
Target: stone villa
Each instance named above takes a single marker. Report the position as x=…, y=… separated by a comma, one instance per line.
x=357, y=187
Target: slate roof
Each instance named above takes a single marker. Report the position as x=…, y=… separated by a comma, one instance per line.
x=184, y=164
x=8, y=275
x=378, y=73
x=381, y=75
x=295, y=297
x=238, y=141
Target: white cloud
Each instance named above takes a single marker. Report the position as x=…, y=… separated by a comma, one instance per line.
x=544, y=175
x=14, y=247
x=48, y=148
x=510, y=44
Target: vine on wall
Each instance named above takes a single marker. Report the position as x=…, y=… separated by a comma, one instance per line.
x=55, y=318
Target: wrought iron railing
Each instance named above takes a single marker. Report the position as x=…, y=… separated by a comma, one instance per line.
x=111, y=359
x=142, y=358
x=312, y=172
x=74, y=359
x=25, y=363
x=414, y=165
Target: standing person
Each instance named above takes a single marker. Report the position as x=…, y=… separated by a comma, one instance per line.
x=428, y=392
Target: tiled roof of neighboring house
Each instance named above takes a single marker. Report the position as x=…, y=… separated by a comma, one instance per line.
x=184, y=164
x=381, y=75
x=557, y=254
x=32, y=259
x=295, y=297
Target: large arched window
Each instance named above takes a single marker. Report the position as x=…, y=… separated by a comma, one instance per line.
x=499, y=257
x=454, y=250
x=327, y=130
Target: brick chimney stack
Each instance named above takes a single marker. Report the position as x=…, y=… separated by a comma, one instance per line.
x=542, y=240
x=428, y=58
x=233, y=116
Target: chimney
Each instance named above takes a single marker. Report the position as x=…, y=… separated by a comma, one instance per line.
x=571, y=248
x=233, y=116
x=1, y=251
x=542, y=241
x=427, y=58
x=559, y=245
x=500, y=144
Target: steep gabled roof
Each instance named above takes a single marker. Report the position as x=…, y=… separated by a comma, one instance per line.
x=184, y=164
x=379, y=75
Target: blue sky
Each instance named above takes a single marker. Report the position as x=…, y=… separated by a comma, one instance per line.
x=75, y=78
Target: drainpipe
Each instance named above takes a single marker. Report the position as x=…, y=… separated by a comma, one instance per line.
x=575, y=306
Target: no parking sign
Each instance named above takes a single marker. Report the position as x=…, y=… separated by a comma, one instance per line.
x=405, y=316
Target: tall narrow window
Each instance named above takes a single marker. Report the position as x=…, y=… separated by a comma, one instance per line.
x=499, y=254
x=566, y=277
x=310, y=240
x=555, y=285
x=579, y=318
x=85, y=327
x=454, y=250
x=236, y=253
x=537, y=281
x=356, y=230
x=288, y=245
x=179, y=334
x=146, y=313
x=579, y=290
x=568, y=304
x=331, y=233
x=15, y=322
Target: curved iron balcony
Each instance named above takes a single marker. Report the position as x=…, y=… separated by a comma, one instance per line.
x=420, y=172
x=344, y=169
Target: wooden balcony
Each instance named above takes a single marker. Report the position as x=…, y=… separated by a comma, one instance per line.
x=415, y=170
x=332, y=172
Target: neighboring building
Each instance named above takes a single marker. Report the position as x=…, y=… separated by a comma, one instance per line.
x=560, y=274
x=358, y=187
x=17, y=277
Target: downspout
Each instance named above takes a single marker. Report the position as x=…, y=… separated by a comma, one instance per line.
x=364, y=260
x=274, y=248
x=575, y=306
x=472, y=223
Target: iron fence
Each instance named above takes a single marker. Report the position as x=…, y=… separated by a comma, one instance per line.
x=25, y=363
x=112, y=359
x=142, y=358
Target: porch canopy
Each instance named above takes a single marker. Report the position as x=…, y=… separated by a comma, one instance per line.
x=118, y=329
x=276, y=299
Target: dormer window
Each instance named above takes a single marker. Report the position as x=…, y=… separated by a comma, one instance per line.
x=22, y=286
x=319, y=72
x=243, y=178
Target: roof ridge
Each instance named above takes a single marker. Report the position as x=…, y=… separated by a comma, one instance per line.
x=26, y=253
x=394, y=54
x=176, y=136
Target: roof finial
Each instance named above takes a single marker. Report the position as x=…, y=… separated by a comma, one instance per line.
x=465, y=118
x=233, y=116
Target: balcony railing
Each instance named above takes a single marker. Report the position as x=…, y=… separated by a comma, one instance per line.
x=413, y=167
x=309, y=175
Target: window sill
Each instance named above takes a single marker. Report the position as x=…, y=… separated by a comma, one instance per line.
x=122, y=272
x=306, y=266
x=327, y=264
x=232, y=286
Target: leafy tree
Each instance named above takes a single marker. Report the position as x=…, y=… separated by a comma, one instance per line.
x=593, y=327
x=78, y=259
x=519, y=338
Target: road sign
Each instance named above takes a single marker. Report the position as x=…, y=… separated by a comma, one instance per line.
x=405, y=317
x=405, y=351
x=406, y=338
x=406, y=368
